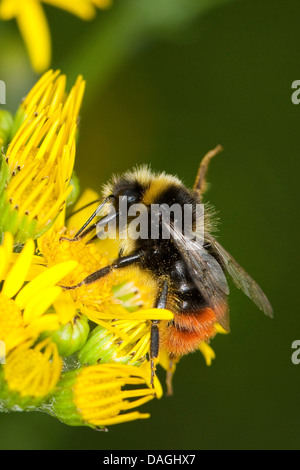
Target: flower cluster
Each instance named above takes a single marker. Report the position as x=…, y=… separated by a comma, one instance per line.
x=81, y=355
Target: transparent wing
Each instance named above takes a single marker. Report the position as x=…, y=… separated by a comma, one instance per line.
x=241, y=278
x=206, y=273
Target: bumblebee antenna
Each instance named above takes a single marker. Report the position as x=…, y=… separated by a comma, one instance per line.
x=92, y=217
x=82, y=208
x=82, y=230
x=200, y=183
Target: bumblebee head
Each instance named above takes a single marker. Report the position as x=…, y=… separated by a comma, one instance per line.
x=143, y=186
x=155, y=191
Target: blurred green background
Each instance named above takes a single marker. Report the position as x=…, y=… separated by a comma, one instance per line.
x=166, y=82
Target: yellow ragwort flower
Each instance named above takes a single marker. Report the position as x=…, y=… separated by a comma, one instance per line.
x=96, y=396
x=24, y=306
x=30, y=373
x=35, y=175
x=33, y=25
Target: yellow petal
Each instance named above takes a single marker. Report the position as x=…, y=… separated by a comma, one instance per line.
x=82, y=8
x=36, y=268
x=65, y=308
x=17, y=274
x=80, y=216
x=207, y=352
x=152, y=314
x=8, y=243
x=40, y=303
x=9, y=9
x=35, y=31
x=219, y=329
x=47, y=279
x=5, y=254
x=48, y=322
x=2, y=262
x=125, y=418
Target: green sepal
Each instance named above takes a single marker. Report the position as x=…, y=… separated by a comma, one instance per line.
x=20, y=226
x=19, y=118
x=71, y=337
x=61, y=404
x=73, y=196
x=4, y=174
x=6, y=127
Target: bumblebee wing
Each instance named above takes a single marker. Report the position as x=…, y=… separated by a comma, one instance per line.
x=241, y=278
x=206, y=273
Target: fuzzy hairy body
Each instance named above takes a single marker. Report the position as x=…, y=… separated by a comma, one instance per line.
x=194, y=319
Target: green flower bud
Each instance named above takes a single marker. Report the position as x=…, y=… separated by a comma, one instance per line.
x=104, y=346
x=62, y=404
x=71, y=337
x=74, y=182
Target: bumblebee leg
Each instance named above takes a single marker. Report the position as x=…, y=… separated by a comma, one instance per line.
x=117, y=264
x=154, y=348
x=200, y=183
x=161, y=302
x=169, y=379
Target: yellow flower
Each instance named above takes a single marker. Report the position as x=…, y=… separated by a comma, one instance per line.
x=89, y=260
x=37, y=168
x=24, y=309
x=94, y=396
x=30, y=373
x=33, y=25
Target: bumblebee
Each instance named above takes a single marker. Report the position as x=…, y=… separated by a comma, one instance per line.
x=190, y=276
